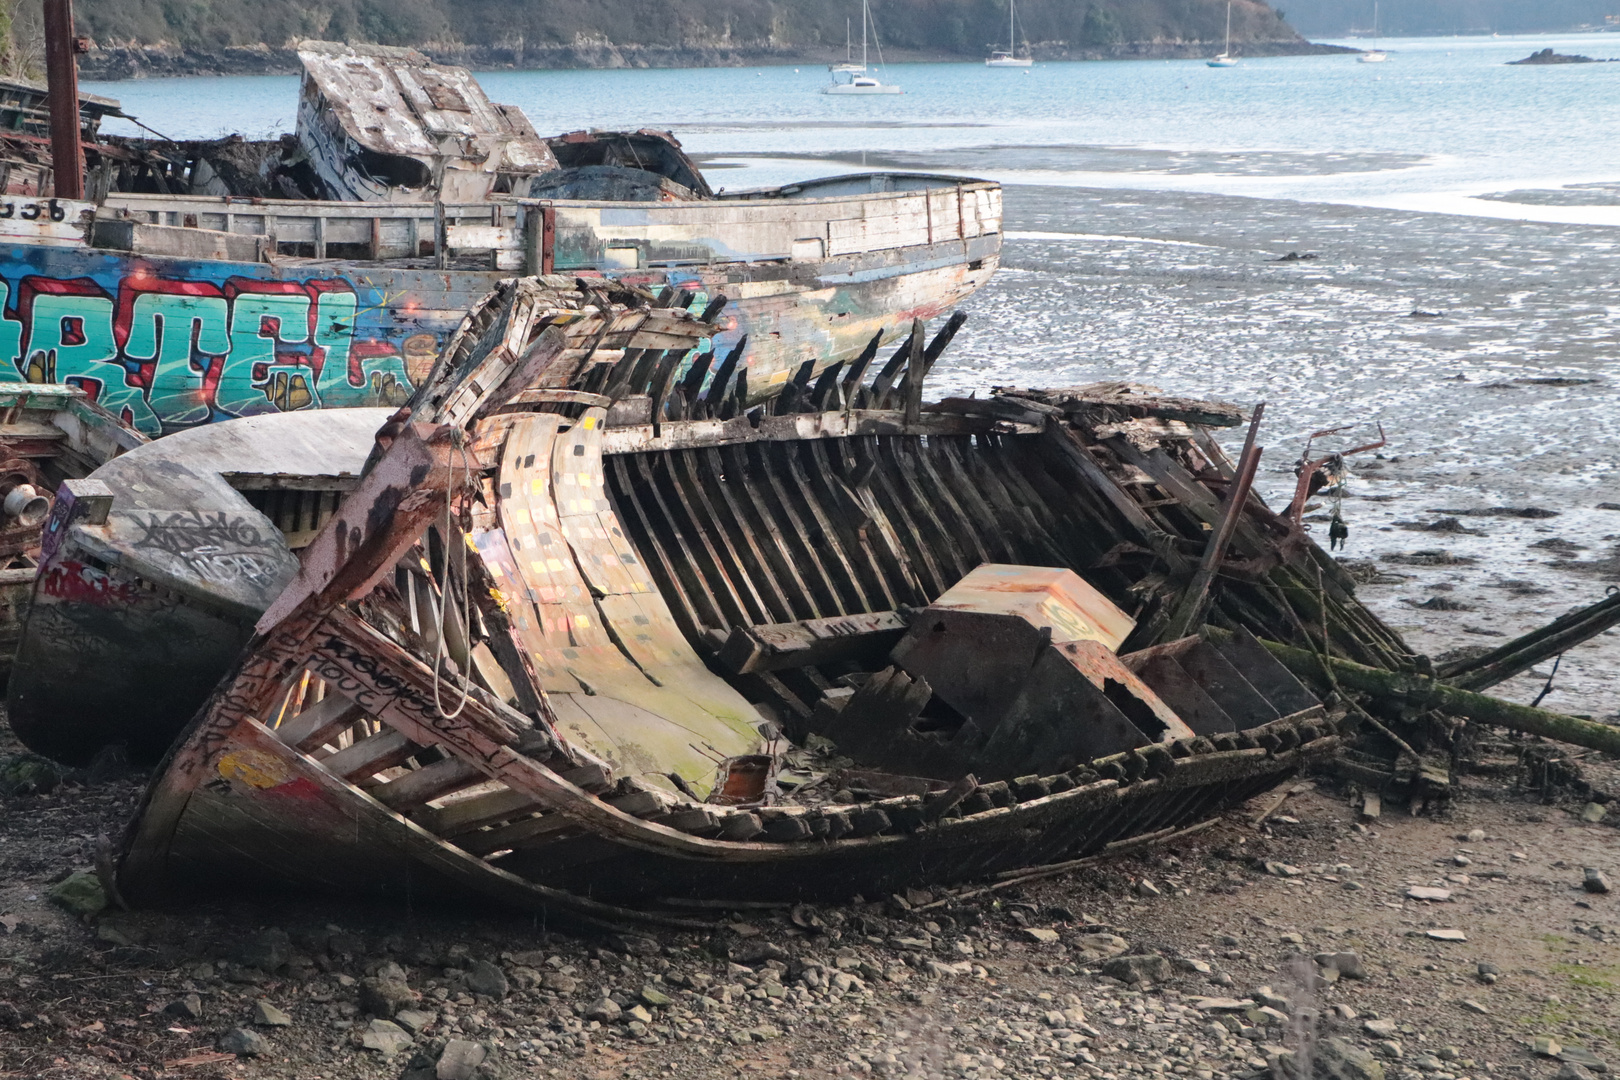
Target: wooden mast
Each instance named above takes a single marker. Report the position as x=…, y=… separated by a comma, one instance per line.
x=62, y=76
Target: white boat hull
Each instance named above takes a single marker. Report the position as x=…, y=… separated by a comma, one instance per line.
x=845, y=88
x=1222, y=61
x=1013, y=63
x=1374, y=57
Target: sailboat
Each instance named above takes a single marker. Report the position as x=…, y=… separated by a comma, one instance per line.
x=1226, y=59
x=1374, y=55
x=1010, y=58
x=860, y=82
x=849, y=66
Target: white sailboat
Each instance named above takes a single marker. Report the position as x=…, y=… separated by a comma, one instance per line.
x=849, y=66
x=859, y=82
x=1226, y=59
x=1010, y=57
x=1374, y=55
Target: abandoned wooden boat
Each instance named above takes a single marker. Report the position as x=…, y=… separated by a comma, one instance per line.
x=595, y=645
x=203, y=281
x=48, y=435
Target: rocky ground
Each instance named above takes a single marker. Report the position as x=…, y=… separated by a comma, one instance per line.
x=1230, y=954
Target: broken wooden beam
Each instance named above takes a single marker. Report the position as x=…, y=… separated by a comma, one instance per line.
x=1523, y=653
x=1427, y=692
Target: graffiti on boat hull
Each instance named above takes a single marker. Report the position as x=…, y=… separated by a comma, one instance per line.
x=165, y=354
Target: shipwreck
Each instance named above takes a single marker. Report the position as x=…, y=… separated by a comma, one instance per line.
x=577, y=638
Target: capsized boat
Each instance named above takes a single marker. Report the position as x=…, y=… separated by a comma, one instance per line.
x=576, y=642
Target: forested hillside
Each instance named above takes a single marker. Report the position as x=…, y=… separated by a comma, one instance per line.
x=544, y=33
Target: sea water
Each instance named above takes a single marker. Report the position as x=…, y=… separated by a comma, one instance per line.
x=1458, y=286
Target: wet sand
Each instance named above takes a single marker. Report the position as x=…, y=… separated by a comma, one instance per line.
x=1486, y=348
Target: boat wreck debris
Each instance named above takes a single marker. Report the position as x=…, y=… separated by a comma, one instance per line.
x=577, y=633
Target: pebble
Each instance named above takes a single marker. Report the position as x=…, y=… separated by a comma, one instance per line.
x=267, y=1015
x=185, y=1008
x=485, y=978
x=1040, y=935
x=460, y=1060
x=1427, y=892
x=385, y=1037
x=1282, y=869
x=1596, y=881
x=1592, y=813
x=1473, y=1006
x=243, y=1042
x=1381, y=1028
x=1545, y=1046
x=1447, y=935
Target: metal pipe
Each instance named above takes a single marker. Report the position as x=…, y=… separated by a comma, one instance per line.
x=62, y=78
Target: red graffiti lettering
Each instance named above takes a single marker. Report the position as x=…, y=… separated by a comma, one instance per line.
x=81, y=584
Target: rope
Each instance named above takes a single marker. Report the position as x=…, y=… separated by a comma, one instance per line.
x=442, y=652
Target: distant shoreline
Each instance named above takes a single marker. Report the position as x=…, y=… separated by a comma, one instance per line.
x=118, y=63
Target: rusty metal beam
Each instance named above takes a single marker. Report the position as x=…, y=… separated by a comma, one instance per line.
x=62, y=76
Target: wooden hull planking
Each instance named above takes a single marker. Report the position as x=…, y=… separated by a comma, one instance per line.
x=613, y=567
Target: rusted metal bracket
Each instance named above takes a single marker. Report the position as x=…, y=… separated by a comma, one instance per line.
x=1309, y=468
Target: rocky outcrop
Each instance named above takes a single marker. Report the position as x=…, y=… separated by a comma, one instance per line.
x=1547, y=56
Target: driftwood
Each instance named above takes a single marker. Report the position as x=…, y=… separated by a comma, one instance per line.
x=1425, y=692
x=1523, y=653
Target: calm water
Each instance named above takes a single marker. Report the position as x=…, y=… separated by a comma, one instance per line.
x=1152, y=204
x=1443, y=119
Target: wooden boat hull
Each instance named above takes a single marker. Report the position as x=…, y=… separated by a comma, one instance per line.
x=611, y=568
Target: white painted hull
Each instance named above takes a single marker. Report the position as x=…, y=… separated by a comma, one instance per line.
x=1013, y=63
x=1374, y=57
x=1222, y=61
x=844, y=88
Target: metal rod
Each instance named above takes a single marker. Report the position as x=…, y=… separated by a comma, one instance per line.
x=62, y=77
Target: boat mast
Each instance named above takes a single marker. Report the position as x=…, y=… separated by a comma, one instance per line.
x=866, y=15
x=1228, y=51
x=62, y=79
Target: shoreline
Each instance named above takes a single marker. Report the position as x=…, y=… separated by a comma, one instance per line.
x=124, y=62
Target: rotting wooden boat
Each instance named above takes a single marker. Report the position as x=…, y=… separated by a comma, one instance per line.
x=574, y=644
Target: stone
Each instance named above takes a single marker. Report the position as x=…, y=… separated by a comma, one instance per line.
x=1219, y=1004
x=267, y=1015
x=1596, y=881
x=654, y=998
x=1146, y=888
x=1485, y=967
x=1282, y=869
x=1143, y=967
x=1475, y=836
x=1447, y=935
x=459, y=1061
x=1347, y=964
x=80, y=893
x=1426, y=892
x=1546, y=1046
x=185, y=1008
x=385, y=1037
x=1339, y=1059
x=638, y=1013
x=414, y=1021
x=1040, y=935
x=485, y=978
x=1093, y=948
x=634, y=944
x=1381, y=1028
x=384, y=997
x=1592, y=813
x=1572, y=1071
x=243, y=1042
x=268, y=950
x=1580, y=1055
x=756, y=951
x=1473, y=1006
x=605, y=1011
x=559, y=983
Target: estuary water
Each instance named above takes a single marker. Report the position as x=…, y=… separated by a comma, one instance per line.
x=1454, y=227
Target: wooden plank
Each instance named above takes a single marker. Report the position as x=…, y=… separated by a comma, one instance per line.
x=317, y=724
x=465, y=815
x=371, y=755
x=425, y=784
